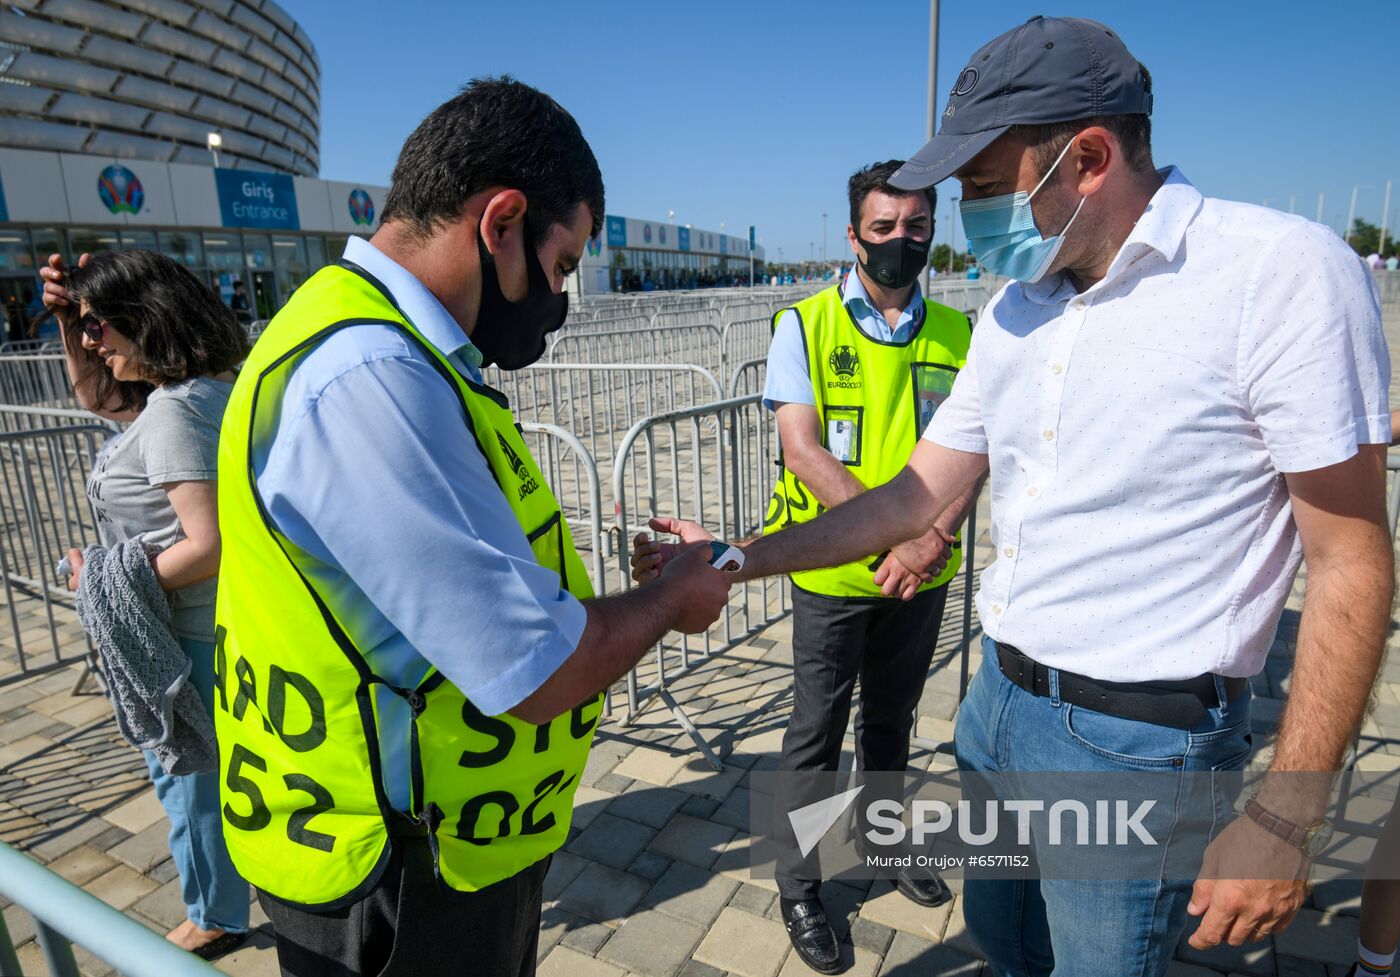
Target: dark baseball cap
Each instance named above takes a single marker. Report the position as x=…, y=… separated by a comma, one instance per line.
x=1049, y=69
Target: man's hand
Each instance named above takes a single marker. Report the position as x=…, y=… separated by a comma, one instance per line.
x=703, y=590
x=75, y=567
x=651, y=556
x=1252, y=883
x=912, y=564
x=56, y=294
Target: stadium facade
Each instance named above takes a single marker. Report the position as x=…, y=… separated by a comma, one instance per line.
x=192, y=127
x=151, y=79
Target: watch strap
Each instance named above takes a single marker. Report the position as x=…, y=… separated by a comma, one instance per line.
x=1295, y=834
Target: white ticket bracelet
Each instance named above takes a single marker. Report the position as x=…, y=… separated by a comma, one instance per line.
x=725, y=556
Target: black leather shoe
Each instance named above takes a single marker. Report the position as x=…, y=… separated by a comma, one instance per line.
x=812, y=936
x=922, y=885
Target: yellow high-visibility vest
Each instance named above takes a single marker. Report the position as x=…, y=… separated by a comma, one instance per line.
x=873, y=401
x=305, y=813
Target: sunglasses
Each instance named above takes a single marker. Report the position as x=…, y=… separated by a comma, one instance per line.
x=94, y=327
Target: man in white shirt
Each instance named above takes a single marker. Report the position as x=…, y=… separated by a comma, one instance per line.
x=1179, y=398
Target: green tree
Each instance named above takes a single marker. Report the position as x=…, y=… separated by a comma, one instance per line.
x=938, y=258
x=1365, y=237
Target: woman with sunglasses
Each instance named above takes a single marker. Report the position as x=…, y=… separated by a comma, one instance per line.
x=147, y=342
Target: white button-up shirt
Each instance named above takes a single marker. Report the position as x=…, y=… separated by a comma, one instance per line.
x=1137, y=433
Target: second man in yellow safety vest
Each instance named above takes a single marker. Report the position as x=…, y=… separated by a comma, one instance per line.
x=855, y=373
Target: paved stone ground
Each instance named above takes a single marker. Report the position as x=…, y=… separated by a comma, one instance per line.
x=654, y=880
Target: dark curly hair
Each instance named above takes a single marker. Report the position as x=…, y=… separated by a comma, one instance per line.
x=876, y=176
x=178, y=325
x=495, y=132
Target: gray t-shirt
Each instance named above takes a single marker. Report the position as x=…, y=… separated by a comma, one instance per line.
x=174, y=439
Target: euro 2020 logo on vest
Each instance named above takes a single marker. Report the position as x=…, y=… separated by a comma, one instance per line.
x=361, y=207
x=527, y=481
x=120, y=190
x=846, y=365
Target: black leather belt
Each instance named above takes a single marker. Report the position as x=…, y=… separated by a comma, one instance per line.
x=1178, y=704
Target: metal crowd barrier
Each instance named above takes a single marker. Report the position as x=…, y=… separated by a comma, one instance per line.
x=34, y=379
x=696, y=315
x=30, y=346
x=743, y=340
x=697, y=344
x=44, y=510
x=598, y=402
x=748, y=377
x=572, y=474
x=64, y=914
x=713, y=464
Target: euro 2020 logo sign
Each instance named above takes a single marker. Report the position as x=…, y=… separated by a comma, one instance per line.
x=844, y=362
x=120, y=190
x=361, y=207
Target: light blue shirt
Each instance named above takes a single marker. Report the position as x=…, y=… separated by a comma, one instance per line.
x=789, y=381
x=373, y=472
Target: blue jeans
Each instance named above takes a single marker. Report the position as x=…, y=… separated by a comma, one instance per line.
x=1083, y=928
x=215, y=895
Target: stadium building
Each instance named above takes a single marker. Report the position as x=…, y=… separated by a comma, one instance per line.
x=192, y=127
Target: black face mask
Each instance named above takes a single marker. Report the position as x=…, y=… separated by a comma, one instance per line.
x=896, y=262
x=509, y=334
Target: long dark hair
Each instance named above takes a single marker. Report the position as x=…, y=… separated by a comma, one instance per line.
x=178, y=325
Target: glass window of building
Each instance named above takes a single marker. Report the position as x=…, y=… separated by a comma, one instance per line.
x=138, y=239
x=86, y=240
x=260, y=276
x=185, y=248
x=257, y=249
x=289, y=259
x=15, y=255
x=47, y=241
x=224, y=254
x=335, y=246
x=316, y=253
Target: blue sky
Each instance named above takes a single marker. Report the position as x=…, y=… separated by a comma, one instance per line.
x=757, y=112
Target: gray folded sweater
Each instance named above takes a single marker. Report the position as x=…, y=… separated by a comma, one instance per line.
x=124, y=610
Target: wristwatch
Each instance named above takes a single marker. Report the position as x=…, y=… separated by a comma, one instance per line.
x=1311, y=840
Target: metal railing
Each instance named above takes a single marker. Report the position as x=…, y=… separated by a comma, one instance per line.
x=696, y=344
x=35, y=379
x=44, y=510
x=572, y=474
x=598, y=402
x=745, y=339
x=64, y=914
x=712, y=464
x=748, y=378
x=30, y=346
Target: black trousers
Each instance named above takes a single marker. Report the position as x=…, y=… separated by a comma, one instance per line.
x=886, y=643
x=411, y=925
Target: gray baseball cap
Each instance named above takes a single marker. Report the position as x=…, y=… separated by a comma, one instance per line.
x=1049, y=69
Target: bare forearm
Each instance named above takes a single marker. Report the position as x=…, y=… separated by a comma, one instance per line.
x=620, y=630
x=952, y=517
x=825, y=477
x=871, y=522
x=186, y=563
x=1341, y=640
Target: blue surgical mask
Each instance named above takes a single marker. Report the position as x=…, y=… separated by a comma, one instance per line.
x=1002, y=234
